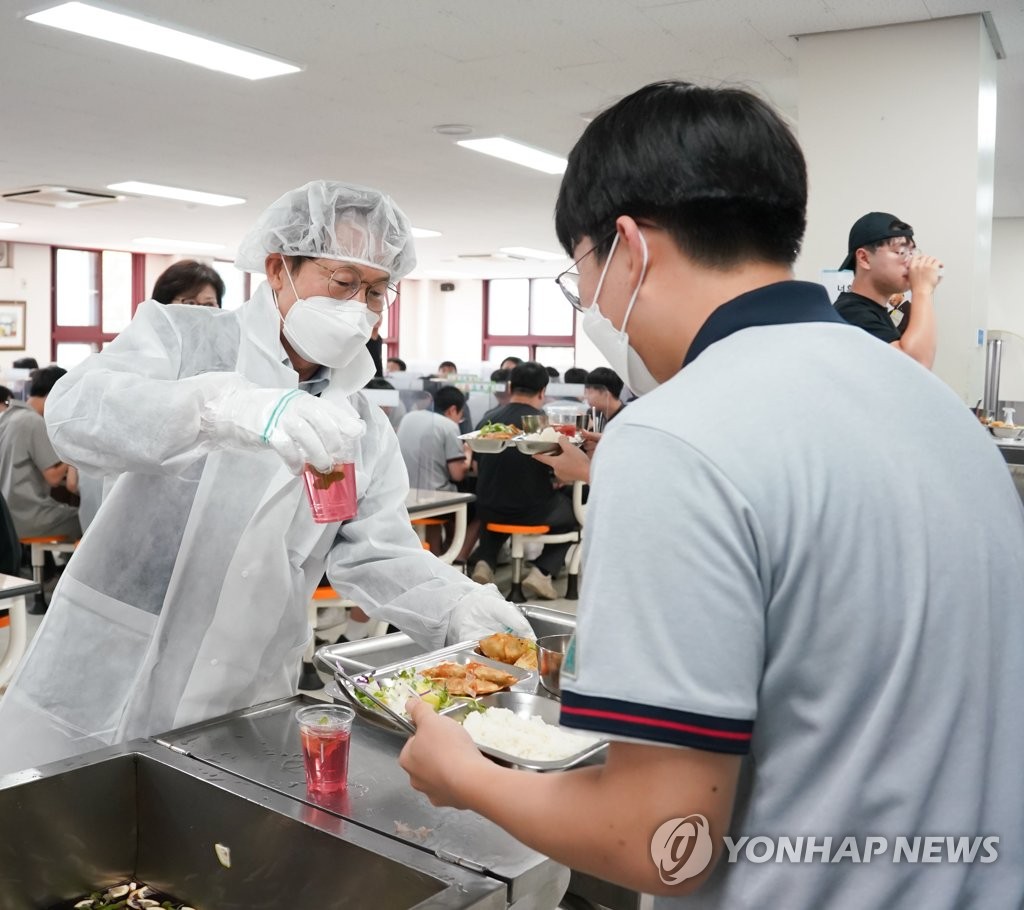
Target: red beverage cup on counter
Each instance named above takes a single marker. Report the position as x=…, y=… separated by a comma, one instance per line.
x=332, y=496
x=325, y=731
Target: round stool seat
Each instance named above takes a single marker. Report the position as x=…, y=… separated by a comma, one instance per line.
x=517, y=529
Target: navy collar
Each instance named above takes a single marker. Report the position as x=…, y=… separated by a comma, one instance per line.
x=774, y=304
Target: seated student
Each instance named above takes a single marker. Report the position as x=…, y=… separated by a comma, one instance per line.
x=500, y=393
x=575, y=376
x=395, y=413
x=396, y=365
x=514, y=489
x=30, y=468
x=446, y=368
x=434, y=455
x=510, y=363
x=603, y=388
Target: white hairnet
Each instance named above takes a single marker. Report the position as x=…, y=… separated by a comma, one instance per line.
x=332, y=220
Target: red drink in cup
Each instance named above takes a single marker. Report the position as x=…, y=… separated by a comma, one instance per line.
x=325, y=731
x=332, y=496
x=566, y=429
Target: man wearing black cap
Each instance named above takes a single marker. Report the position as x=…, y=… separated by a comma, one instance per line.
x=884, y=260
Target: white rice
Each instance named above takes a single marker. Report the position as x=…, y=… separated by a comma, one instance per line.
x=524, y=737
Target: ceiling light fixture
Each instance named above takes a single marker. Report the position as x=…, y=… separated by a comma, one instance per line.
x=143, y=35
x=517, y=153
x=165, y=243
x=425, y=232
x=174, y=192
x=526, y=252
x=9, y=225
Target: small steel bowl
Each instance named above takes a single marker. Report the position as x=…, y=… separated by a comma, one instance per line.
x=533, y=423
x=550, y=653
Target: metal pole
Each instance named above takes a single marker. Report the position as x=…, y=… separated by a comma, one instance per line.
x=993, y=363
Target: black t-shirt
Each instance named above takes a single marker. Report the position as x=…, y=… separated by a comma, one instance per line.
x=864, y=313
x=511, y=486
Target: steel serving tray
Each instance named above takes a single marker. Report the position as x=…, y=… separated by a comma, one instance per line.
x=462, y=653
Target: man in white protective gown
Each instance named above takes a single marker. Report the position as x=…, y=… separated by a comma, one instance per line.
x=187, y=598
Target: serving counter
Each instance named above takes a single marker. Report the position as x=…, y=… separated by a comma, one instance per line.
x=156, y=810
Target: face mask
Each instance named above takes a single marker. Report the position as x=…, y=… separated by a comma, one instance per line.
x=613, y=343
x=326, y=331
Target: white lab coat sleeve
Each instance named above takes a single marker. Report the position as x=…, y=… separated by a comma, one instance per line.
x=379, y=563
x=127, y=409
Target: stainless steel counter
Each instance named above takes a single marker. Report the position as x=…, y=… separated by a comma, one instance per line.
x=261, y=744
x=143, y=812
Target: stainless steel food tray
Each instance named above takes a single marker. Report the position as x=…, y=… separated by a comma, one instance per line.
x=462, y=653
x=526, y=704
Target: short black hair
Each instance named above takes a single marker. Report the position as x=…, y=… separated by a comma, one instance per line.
x=446, y=396
x=401, y=363
x=575, y=375
x=604, y=378
x=715, y=167
x=500, y=375
x=447, y=363
x=44, y=380
x=528, y=378
x=515, y=361
x=186, y=277
x=5, y=394
x=378, y=382
x=552, y=372
x=26, y=363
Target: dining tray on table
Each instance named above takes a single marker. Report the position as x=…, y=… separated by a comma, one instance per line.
x=524, y=698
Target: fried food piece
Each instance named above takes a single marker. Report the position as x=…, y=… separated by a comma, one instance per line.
x=445, y=671
x=461, y=685
x=508, y=648
x=489, y=674
x=528, y=661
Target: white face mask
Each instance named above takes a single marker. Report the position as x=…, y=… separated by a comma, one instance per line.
x=326, y=331
x=613, y=343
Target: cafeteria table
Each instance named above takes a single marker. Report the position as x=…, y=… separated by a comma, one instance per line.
x=434, y=503
x=13, y=591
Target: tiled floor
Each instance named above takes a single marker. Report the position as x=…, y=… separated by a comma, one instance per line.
x=503, y=577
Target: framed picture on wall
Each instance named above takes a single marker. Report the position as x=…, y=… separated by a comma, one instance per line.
x=12, y=325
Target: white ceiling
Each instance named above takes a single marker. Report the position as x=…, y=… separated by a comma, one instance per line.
x=376, y=78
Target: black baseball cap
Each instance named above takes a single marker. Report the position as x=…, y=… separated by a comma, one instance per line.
x=871, y=228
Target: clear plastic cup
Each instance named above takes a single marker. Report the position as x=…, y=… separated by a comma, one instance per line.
x=325, y=731
x=332, y=496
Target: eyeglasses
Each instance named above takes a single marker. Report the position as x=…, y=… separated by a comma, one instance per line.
x=191, y=301
x=905, y=251
x=569, y=280
x=345, y=283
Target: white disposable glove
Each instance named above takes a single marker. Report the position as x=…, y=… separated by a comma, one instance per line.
x=481, y=614
x=299, y=427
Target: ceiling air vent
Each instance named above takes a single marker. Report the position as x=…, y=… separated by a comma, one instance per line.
x=60, y=197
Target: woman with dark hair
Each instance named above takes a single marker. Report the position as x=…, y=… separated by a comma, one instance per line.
x=191, y=283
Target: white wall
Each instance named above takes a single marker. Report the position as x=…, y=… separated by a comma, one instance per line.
x=28, y=279
x=1006, y=305
x=922, y=150
x=438, y=325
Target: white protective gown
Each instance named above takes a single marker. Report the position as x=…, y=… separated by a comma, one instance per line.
x=187, y=597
